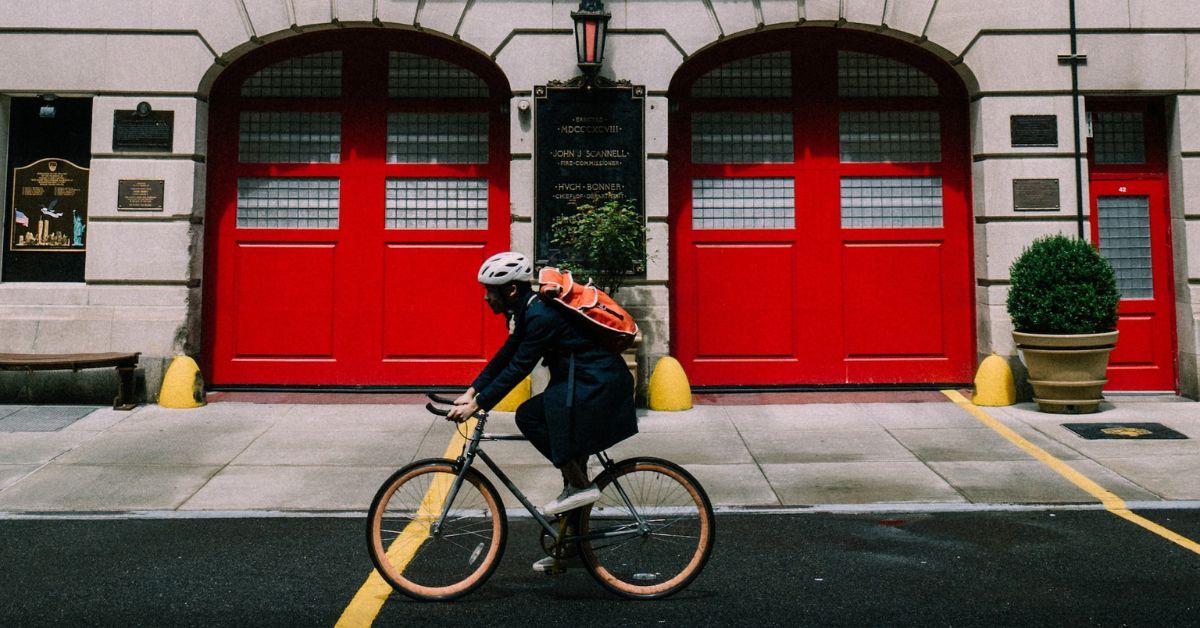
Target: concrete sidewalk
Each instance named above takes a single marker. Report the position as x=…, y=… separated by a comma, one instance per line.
x=233, y=456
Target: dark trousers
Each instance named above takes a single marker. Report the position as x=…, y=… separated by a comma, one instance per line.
x=531, y=420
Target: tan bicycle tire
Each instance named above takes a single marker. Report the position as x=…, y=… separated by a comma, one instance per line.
x=476, y=578
x=706, y=534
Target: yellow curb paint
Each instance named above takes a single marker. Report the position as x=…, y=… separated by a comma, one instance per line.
x=364, y=607
x=1111, y=502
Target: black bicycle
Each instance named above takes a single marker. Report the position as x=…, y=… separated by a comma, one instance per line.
x=437, y=527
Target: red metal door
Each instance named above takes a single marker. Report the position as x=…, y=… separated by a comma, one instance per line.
x=356, y=182
x=820, y=215
x=1131, y=224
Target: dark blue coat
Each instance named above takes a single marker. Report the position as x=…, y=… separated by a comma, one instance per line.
x=588, y=408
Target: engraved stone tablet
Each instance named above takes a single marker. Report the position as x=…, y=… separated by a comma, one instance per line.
x=1034, y=130
x=153, y=132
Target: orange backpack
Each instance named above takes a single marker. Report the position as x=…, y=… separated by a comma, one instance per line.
x=614, y=326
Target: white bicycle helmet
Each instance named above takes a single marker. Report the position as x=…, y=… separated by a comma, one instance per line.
x=505, y=267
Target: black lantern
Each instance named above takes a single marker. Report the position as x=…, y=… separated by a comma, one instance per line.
x=591, y=27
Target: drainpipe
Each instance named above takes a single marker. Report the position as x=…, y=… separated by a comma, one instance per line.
x=1075, y=59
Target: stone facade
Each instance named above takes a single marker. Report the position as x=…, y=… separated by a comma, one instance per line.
x=143, y=271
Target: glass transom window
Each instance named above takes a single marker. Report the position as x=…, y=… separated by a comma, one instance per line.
x=891, y=202
x=1125, y=243
x=743, y=203
x=287, y=203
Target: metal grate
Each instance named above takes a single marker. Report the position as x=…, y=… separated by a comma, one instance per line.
x=743, y=203
x=762, y=76
x=289, y=137
x=42, y=418
x=433, y=138
x=291, y=203
x=1125, y=243
x=1118, y=137
x=417, y=76
x=741, y=138
x=862, y=75
x=891, y=202
x=311, y=76
x=436, y=204
x=890, y=136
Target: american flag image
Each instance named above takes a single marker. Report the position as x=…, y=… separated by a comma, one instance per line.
x=22, y=219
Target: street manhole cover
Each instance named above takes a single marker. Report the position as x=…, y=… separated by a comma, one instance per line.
x=43, y=418
x=1124, y=431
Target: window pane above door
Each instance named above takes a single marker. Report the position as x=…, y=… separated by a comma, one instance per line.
x=437, y=138
x=863, y=75
x=890, y=136
x=761, y=76
x=311, y=76
x=741, y=137
x=1118, y=137
x=417, y=76
x=292, y=137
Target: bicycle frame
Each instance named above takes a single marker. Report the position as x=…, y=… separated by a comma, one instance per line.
x=473, y=449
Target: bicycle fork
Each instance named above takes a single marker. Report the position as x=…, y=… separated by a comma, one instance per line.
x=464, y=463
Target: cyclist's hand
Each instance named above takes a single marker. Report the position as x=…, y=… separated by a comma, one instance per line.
x=462, y=412
x=465, y=397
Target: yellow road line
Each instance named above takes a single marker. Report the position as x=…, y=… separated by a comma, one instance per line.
x=1111, y=502
x=364, y=607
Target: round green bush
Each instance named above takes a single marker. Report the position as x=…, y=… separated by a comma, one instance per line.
x=1062, y=285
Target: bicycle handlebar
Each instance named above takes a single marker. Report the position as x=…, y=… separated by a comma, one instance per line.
x=440, y=399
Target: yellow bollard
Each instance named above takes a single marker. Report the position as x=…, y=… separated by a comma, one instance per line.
x=516, y=396
x=669, y=388
x=994, y=385
x=183, y=385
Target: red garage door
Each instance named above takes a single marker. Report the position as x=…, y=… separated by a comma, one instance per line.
x=357, y=180
x=820, y=215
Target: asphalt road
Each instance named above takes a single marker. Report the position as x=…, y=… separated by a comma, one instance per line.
x=943, y=569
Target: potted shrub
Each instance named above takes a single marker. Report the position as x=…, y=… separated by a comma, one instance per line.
x=605, y=243
x=1063, y=304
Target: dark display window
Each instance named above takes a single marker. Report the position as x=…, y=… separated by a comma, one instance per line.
x=46, y=183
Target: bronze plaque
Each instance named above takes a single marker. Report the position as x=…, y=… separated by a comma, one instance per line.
x=139, y=194
x=589, y=147
x=49, y=207
x=153, y=132
x=1035, y=195
x=1034, y=130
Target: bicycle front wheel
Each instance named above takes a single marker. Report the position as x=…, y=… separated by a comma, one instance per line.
x=419, y=558
x=652, y=531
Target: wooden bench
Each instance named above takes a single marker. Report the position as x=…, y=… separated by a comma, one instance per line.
x=125, y=363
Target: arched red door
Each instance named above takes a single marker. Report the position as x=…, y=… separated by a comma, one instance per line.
x=820, y=214
x=356, y=181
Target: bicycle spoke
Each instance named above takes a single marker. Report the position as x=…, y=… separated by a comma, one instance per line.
x=654, y=537
x=419, y=563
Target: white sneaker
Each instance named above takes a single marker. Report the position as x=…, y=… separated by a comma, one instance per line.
x=572, y=498
x=546, y=565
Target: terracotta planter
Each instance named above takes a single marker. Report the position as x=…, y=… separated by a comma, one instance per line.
x=1066, y=371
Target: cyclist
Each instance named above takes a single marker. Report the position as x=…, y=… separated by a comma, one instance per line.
x=587, y=406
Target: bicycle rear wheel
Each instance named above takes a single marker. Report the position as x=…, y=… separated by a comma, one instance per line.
x=466, y=549
x=664, y=553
